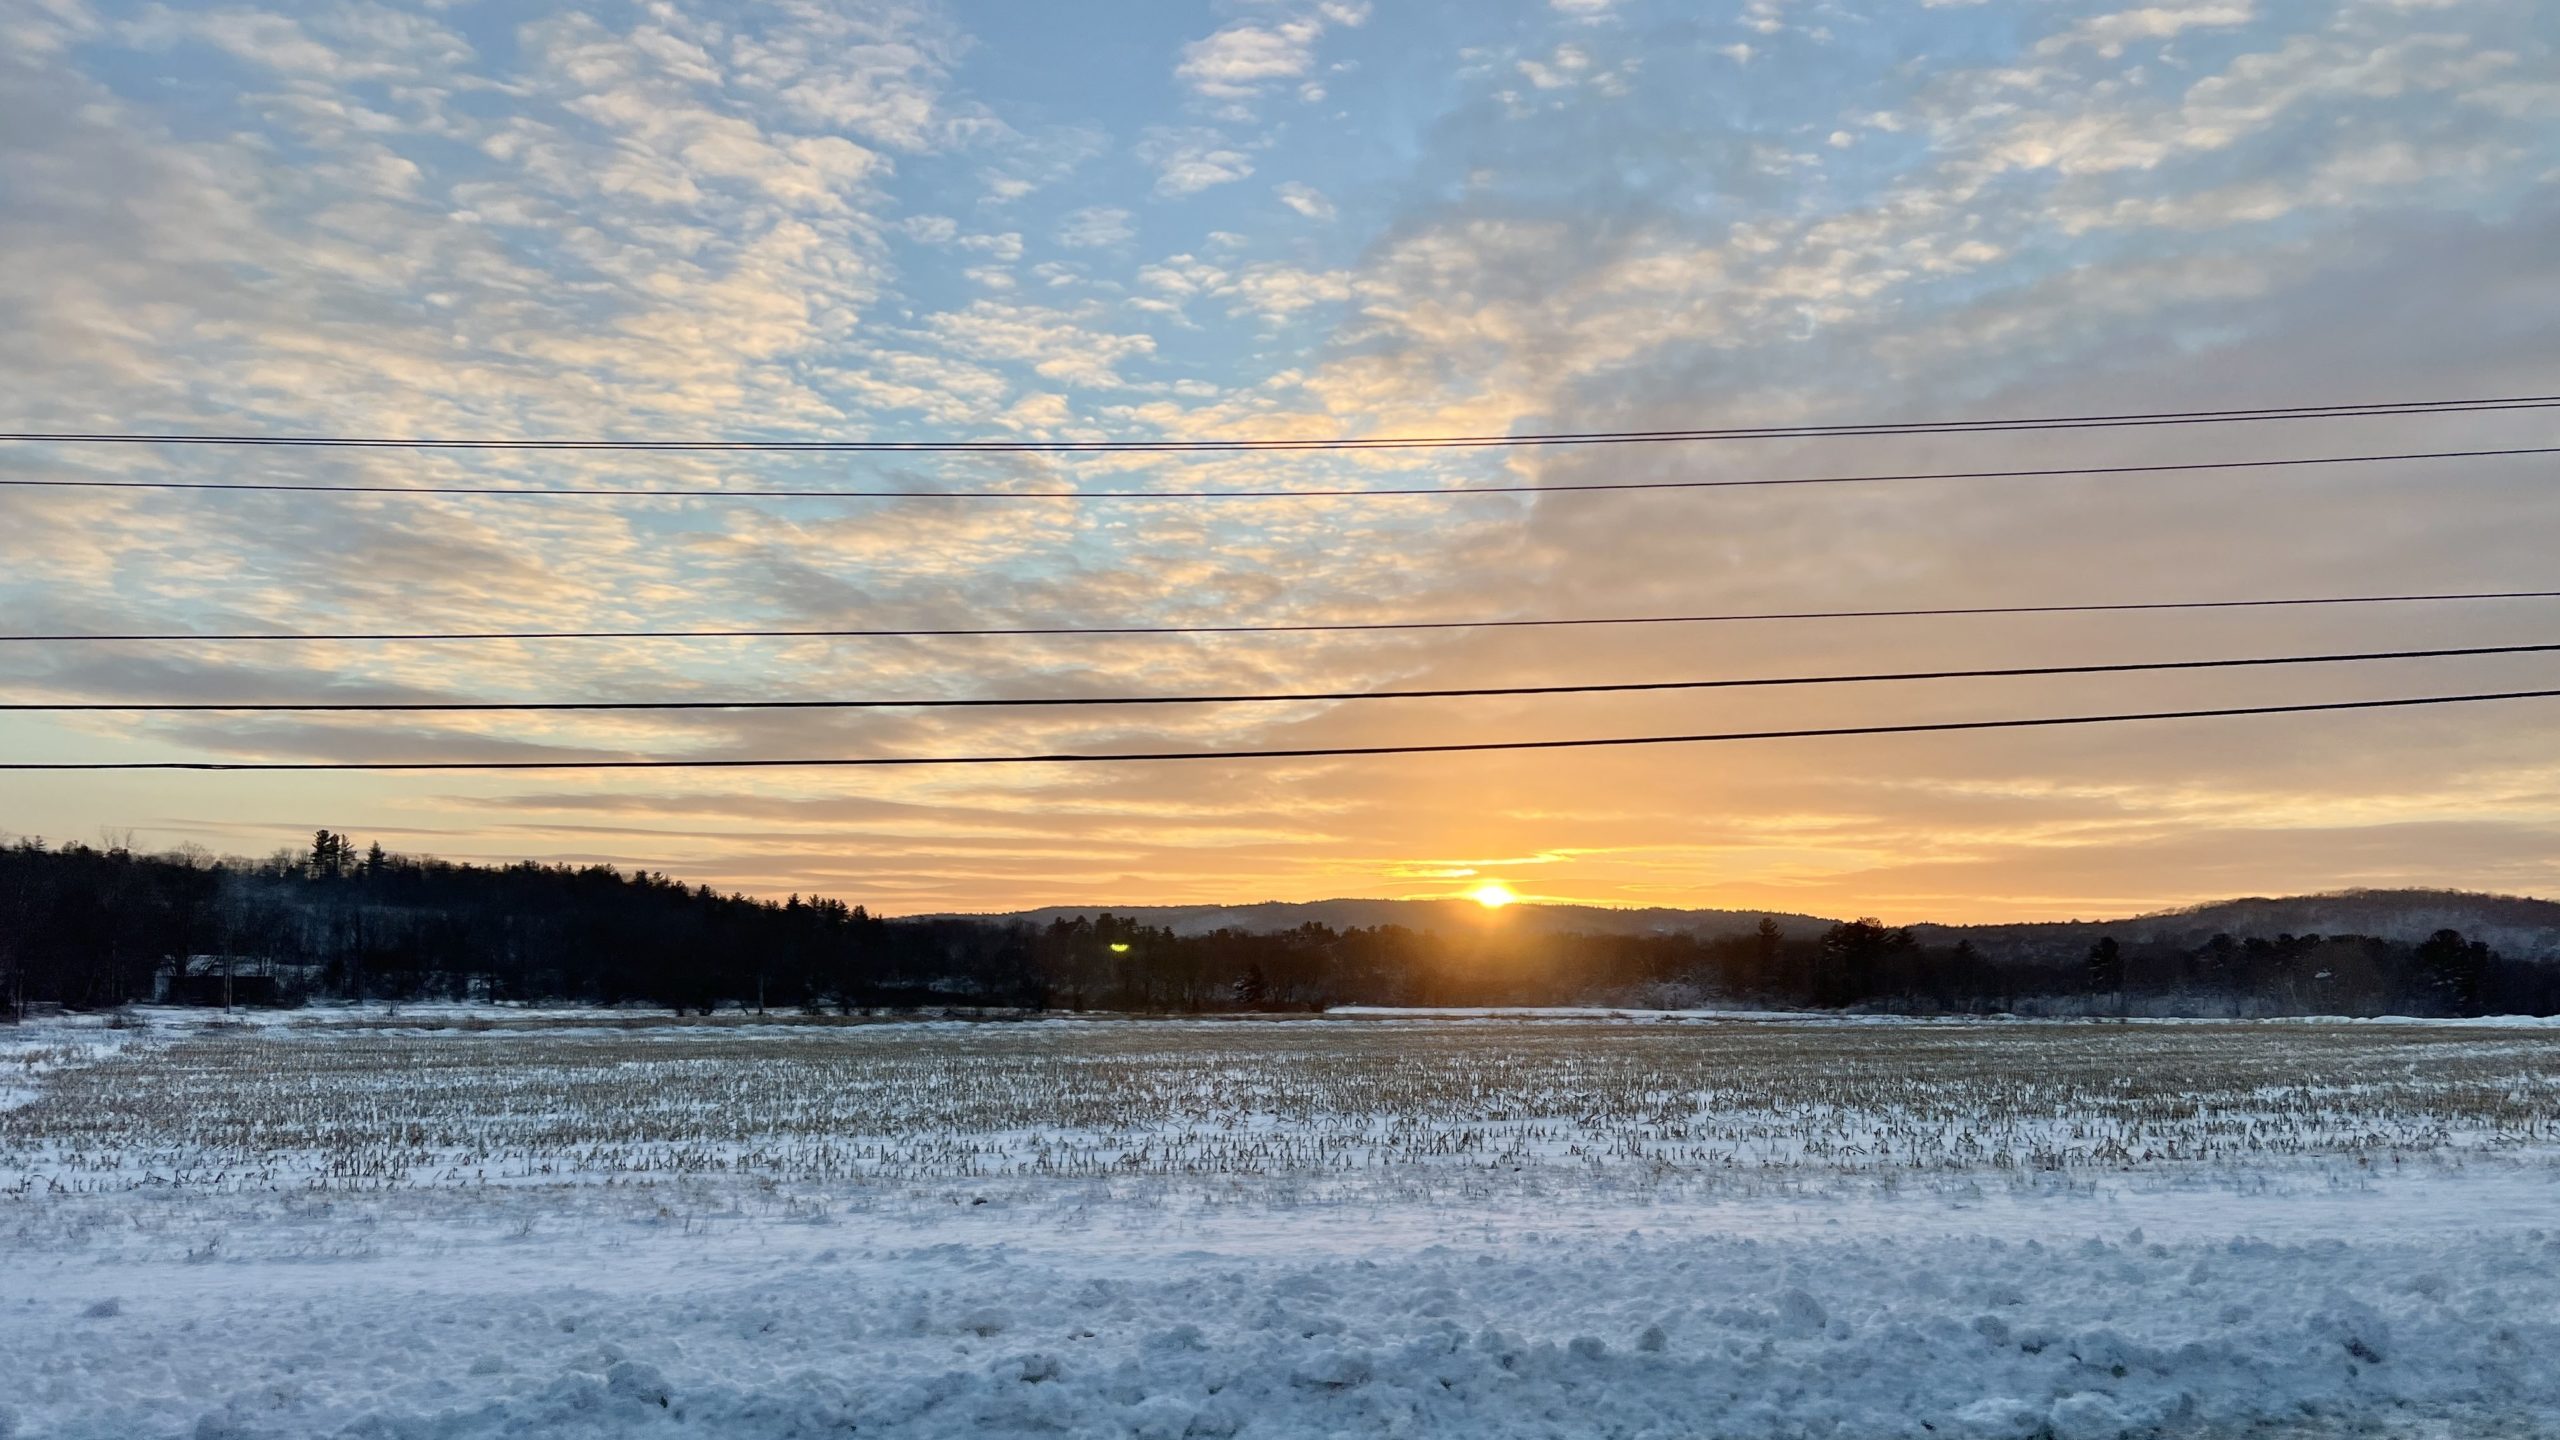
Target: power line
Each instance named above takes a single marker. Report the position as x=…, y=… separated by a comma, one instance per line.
x=1310, y=628
x=661, y=492
x=1294, y=753
x=1403, y=442
x=1479, y=692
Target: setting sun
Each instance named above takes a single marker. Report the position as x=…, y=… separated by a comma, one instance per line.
x=1492, y=895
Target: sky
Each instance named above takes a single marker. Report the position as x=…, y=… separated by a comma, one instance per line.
x=1289, y=219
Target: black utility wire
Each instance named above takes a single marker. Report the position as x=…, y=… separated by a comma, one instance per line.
x=1309, y=628
x=1399, y=442
x=1295, y=753
x=1263, y=698
x=662, y=492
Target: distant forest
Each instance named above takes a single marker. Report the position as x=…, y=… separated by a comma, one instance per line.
x=99, y=926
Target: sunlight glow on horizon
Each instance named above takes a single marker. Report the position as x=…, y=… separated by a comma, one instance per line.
x=1493, y=895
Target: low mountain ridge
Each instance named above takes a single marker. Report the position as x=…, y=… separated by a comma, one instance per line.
x=2517, y=925
x=1269, y=916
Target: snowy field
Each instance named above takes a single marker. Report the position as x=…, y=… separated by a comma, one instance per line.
x=463, y=1224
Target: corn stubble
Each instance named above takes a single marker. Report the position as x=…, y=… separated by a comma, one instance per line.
x=345, y=1108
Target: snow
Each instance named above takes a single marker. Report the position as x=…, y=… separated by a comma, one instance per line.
x=973, y=1329
x=30, y=1052
x=1590, y=1013
x=2346, y=1290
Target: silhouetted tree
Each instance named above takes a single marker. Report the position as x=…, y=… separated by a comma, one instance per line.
x=1251, y=989
x=331, y=855
x=2453, y=971
x=1855, y=959
x=2106, y=969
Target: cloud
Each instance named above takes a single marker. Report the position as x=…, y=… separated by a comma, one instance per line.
x=2078, y=131
x=1559, y=70
x=1188, y=160
x=875, y=71
x=1275, y=292
x=1029, y=162
x=813, y=220
x=1278, y=292
x=2109, y=34
x=1097, y=227
x=1570, y=69
x=1244, y=60
x=1306, y=199
x=1765, y=17
x=1241, y=59
x=337, y=47
x=1069, y=347
x=2360, y=174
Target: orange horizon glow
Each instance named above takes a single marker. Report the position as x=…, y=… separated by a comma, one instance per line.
x=1493, y=895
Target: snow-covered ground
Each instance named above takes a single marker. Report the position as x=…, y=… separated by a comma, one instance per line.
x=1559, y=1227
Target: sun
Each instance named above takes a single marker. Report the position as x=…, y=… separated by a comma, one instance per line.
x=1492, y=895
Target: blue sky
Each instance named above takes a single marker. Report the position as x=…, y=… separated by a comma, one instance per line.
x=1290, y=219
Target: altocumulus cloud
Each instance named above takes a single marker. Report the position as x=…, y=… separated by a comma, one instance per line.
x=798, y=221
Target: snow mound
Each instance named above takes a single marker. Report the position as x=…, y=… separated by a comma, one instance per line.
x=1735, y=1337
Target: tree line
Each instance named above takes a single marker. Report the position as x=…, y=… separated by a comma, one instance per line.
x=95, y=926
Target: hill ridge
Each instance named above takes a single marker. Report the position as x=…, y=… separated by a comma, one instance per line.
x=2516, y=924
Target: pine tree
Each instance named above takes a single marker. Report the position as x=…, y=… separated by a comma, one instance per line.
x=1768, y=944
x=2454, y=969
x=2106, y=969
x=330, y=853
